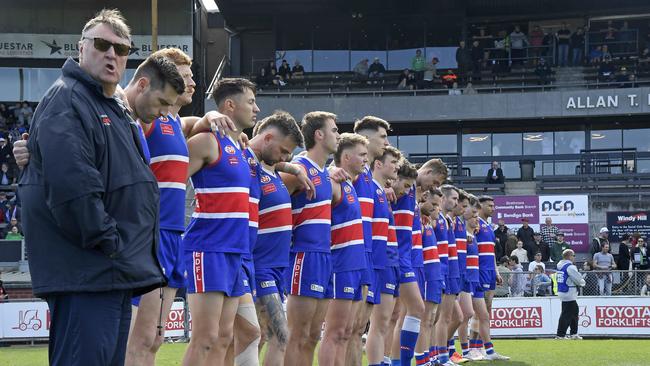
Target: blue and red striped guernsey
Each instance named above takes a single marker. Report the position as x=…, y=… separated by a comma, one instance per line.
x=485, y=240
x=348, y=249
x=440, y=231
x=452, y=260
x=460, y=233
x=392, y=251
x=432, y=267
x=472, y=260
x=275, y=222
x=253, y=200
x=417, y=259
x=380, y=219
x=403, y=216
x=220, y=219
x=169, y=163
x=312, y=219
x=364, y=187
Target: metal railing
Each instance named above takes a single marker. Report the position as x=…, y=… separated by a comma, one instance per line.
x=598, y=283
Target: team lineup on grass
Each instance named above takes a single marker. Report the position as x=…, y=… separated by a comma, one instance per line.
x=368, y=243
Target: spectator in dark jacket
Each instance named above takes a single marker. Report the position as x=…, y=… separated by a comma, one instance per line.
x=5, y=151
x=494, y=174
x=525, y=234
x=598, y=242
x=93, y=247
x=464, y=61
x=6, y=176
x=376, y=70
x=284, y=70
x=501, y=237
x=543, y=71
x=623, y=258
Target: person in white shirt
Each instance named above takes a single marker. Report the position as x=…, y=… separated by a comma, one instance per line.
x=537, y=262
x=520, y=252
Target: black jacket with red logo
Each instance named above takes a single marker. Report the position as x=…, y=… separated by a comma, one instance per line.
x=89, y=200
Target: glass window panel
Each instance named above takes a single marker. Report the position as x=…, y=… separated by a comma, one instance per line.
x=413, y=144
x=510, y=169
x=477, y=145
x=538, y=143
x=566, y=167
x=643, y=166
x=638, y=138
x=569, y=142
x=442, y=144
x=332, y=61
x=477, y=170
x=304, y=56
x=393, y=141
x=547, y=168
x=606, y=139
x=506, y=144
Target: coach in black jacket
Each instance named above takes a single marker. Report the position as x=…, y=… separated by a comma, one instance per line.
x=90, y=203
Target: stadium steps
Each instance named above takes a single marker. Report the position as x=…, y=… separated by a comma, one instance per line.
x=568, y=77
x=517, y=188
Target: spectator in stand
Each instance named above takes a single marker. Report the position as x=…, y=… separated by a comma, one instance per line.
x=486, y=41
x=606, y=71
x=543, y=72
x=6, y=155
x=597, y=243
x=430, y=74
x=558, y=247
x=285, y=70
x=626, y=80
x=500, y=238
x=610, y=37
x=13, y=223
x=3, y=292
x=569, y=279
x=624, y=257
x=449, y=78
x=469, y=89
x=502, y=289
x=577, y=47
x=596, y=55
x=534, y=246
x=604, y=261
x=606, y=54
x=298, y=71
x=520, y=252
x=537, y=261
x=511, y=244
x=13, y=212
x=376, y=70
x=549, y=232
x=494, y=174
x=24, y=115
x=14, y=234
x=541, y=283
x=591, y=287
x=361, y=71
x=517, y=280
x=464, y=61
x=563, y=39
x=454, y=89
x=518, y=43
x=535, y=42
x=477, y=59
x=525, y=233
x=6, y=176
x=406, y=80
x=645, y=290
x=276, y=79
x=418, y=65
x=271, y=69
x=263, y=79
x=4, y=112
x=641, y=255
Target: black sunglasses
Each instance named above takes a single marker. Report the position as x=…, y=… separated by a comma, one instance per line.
x=103, y=45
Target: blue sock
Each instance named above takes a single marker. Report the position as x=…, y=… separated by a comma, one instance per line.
x=451, y=346
x=375, y=364
x=443, y=354
x=408, y=338
x=489, y=348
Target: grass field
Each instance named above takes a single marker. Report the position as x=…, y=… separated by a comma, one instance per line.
x=529, y=352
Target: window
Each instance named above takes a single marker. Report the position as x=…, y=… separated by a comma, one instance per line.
x=606, y=139
x=393, y=141
x=442, y=144
x=538, y=143
x=569, y=142
x=505, y=144
x=639, y=138
x=477, y=145
x=413, y=144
